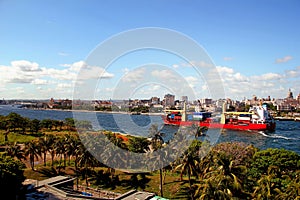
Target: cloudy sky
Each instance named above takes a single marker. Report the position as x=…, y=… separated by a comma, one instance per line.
x=47, y=46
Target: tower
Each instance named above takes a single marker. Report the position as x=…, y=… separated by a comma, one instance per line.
x=290, y=94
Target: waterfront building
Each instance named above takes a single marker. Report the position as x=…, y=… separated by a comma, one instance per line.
x=169, y=100
x=205, y=102
x=298, y=98
x=155, y=100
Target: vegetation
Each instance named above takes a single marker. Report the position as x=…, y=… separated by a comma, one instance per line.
x=227, y=171
x=11, y=177
x=15, y=128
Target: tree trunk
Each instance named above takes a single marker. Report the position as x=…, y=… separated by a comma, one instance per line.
x=6, y=136
x=86, y=177
x=69, y=159
x=60, y=159
x=65, y=160
x=161, y=183
x=189, y=176
x=164, y=176
x=45, y=153
x=52, y=158
x=32, y=162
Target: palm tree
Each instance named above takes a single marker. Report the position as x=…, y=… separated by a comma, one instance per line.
x=60, y=150
x=156, y=138
x=76, y=147
x=86, y=160
x=44, y=145
x=156, y=143
x=70, y=146
x=75, y=150
x=220, y=178
x=52, y=147
x=188, y=164
x=32, y=150
x=15, y=151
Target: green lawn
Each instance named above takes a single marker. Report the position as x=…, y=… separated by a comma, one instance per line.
x=16, y=137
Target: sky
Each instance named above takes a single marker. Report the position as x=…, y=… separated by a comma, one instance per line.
x=51, y=49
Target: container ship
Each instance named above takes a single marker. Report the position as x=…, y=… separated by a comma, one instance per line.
x=257, y=118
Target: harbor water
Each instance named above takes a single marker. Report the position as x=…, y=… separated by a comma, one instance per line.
x=286, y=135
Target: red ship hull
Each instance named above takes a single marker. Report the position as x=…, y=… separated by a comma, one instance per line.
x=215, y=125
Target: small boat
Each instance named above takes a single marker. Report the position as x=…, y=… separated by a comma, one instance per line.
x=257, y=118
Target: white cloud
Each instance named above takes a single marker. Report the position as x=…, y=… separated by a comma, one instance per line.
x=39, y=82
x=284, y=59
x=59, y=74
x=86, y=71
x=164, y=74
x=224, y=70
x=134, y=75
x=93, y=72
x=2, y=89
x=268, y=76
x=25, y=65
x=204, y=87
x=156, y=87
x=125, y=70
x=109, y=89
x=238, y=86
x=14, y=74
x=23, y=72
x=192, y=81
x=64, y=85
x=19, y=90
x=293, y=73
x=19, y=80
x=76, y=66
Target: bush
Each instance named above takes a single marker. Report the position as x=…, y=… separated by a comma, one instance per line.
x=11, y=177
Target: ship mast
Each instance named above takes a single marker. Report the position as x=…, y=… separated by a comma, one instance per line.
x=223, y=112
x=183, y=116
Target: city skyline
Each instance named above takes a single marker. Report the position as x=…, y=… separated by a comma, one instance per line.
x=254, y=46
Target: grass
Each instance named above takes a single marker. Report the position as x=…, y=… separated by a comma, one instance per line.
x=16, y=137
x=27, y=137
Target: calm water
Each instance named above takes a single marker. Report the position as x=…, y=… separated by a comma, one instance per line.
x=286, y=135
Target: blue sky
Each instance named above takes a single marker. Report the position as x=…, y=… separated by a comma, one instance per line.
x=255, y=45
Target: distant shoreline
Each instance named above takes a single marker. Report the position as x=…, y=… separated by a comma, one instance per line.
x=105, y=112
